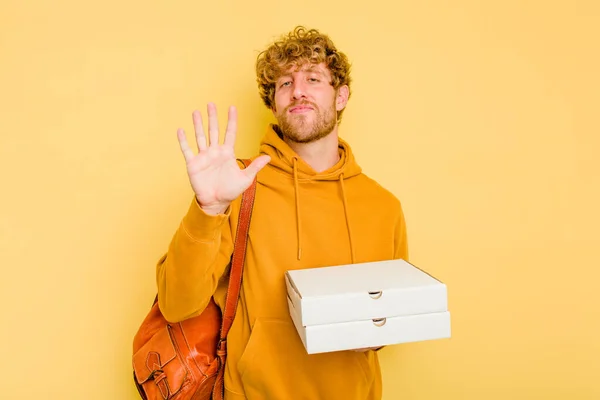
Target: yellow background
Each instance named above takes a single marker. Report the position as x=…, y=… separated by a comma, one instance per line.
x=482, y=117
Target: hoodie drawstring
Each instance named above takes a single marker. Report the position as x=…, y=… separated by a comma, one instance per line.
x=353, y=258
x=298, y=221
x=298, y=228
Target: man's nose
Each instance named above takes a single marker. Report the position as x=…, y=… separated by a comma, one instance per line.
x=298, y=90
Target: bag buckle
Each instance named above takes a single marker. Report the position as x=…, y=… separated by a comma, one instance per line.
x=222, y=347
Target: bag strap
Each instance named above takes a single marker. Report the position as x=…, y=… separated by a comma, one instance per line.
x=235, y=283
x=237, y=260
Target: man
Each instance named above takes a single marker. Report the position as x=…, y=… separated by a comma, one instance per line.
x=314, y=207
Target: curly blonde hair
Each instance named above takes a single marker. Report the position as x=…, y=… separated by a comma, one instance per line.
x=298, y=48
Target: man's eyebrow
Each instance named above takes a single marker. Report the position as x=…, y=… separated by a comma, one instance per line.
x=314, y=69
x=282, y=76
x=311, y=69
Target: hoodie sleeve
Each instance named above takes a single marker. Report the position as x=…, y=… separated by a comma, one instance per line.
x=198, y=255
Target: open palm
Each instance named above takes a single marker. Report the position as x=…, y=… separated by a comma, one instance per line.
x=214, y=173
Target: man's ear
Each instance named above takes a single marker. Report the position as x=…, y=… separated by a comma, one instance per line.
x=343, y=92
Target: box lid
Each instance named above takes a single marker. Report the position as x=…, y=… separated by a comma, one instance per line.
x=363, y=291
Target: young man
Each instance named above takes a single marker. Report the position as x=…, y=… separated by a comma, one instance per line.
x=314, y=207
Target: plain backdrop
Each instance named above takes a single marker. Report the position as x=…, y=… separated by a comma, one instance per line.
x=481, y=116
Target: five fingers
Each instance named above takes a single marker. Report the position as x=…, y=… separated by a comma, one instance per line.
x=213, y=132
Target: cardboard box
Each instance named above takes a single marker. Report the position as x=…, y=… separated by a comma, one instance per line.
x=366, y=305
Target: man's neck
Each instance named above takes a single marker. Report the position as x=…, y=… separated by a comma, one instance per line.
x=321, y=154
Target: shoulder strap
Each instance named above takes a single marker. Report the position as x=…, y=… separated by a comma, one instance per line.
x=237, y=260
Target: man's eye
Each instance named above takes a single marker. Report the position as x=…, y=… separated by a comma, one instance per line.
x=314, y=80
x=286, y=83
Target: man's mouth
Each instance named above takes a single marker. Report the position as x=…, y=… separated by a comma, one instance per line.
x=300, y=109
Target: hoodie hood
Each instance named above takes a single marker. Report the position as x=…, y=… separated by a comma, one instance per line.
x=283, y=157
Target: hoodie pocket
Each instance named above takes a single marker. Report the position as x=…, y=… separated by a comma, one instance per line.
x=275, y=366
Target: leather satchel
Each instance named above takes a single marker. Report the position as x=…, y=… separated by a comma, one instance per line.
x=186, y=360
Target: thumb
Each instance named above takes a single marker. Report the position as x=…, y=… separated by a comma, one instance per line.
x=256, y=165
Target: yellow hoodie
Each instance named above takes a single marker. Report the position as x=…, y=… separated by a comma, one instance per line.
x=301, y=219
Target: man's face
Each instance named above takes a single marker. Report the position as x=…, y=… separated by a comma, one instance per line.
x=306, y=104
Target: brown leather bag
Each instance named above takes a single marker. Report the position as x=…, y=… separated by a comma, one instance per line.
x=186, y=360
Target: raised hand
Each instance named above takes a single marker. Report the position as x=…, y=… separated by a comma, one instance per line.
x=214, y=173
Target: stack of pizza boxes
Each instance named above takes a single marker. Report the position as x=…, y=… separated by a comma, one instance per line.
x=366, y=305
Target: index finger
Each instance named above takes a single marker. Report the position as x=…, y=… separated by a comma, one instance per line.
x=231, y=130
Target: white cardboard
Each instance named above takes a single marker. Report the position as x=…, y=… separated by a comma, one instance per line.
x=363, y=291
x=369, y=333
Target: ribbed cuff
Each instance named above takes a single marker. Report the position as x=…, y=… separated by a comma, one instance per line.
x=201, y=226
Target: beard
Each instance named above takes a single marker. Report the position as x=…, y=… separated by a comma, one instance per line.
x=302, y=128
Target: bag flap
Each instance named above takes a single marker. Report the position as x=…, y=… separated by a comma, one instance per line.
x=158, y=360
